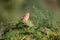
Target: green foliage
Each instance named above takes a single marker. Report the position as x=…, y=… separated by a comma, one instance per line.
x=21, y=30
x=41, y=26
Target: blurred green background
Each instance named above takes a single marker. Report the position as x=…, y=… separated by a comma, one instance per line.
x=13, y=10
x=43, y=14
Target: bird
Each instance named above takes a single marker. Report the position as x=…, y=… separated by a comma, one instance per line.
x=26, y=16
